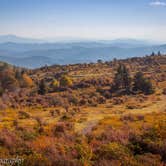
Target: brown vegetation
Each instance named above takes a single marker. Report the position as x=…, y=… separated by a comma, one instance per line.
x=101, y=114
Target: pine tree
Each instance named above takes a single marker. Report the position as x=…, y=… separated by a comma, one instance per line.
x=138, y=79
x=142, y=84
x=42, y=87
x=159, y=53
x=153, y=54
x=122, y=79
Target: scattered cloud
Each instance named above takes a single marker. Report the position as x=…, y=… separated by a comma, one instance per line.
x=158, y=3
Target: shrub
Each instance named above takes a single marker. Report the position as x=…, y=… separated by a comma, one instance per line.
x=9, y=139
x=84, y=154
x=164, y=91
x=132, y=118
x=56, y=100
x=150, y=141
x=28, y=135
x=142, y=84
x=140, y=117
x=3, y=106
x=55, y=84
x=27, y=81
x=39, y=121
x=59, y=128
x=65, y=81
x=132, y=105
x=83, y=101
x=1, y=90
x=9, y=82
x=73, y=99
x=118, y=101
x=149, y=159
x=107, y=94
x=120, y=136
x=36, y=159
x=24, y=115
x=101, y=100
x=115, y=151
x=53, y=112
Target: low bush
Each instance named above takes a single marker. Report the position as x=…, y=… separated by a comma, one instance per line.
x=115, y=151
x=24, y=115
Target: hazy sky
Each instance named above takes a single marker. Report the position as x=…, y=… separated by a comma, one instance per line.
x=93, y=19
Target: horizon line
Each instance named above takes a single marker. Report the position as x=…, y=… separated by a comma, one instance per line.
x=68, y=38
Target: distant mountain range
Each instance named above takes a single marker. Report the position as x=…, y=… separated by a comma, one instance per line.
x=34, y=53
x=17, y=39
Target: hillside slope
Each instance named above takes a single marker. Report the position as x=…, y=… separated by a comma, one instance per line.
x=69, y=115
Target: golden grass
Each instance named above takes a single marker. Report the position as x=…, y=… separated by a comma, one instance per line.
x=101, y=116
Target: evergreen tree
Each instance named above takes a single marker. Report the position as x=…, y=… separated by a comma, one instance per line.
x=138, y=79
x=42, y=87
x=153, y=54
x=122, y=79
x=159, y=53
x=142, y=84
x=1, y=90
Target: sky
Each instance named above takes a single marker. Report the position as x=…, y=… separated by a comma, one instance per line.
x=87, y=19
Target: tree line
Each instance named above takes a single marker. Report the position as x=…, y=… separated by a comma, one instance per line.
x=123, y=81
